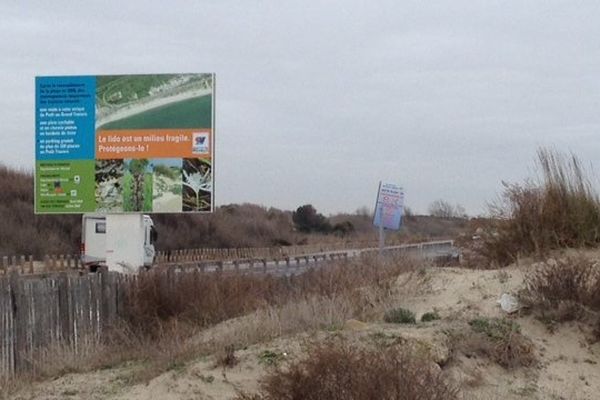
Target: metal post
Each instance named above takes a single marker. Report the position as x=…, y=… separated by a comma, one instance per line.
x=381, y=231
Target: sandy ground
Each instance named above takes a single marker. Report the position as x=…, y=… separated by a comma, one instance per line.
x=567, y=369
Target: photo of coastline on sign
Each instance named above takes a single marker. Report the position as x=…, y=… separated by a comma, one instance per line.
x=130, y=143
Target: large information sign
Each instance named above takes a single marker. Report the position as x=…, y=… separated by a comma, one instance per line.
x=389, y=207
x=124, y=143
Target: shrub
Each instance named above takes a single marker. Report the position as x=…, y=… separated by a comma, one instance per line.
x=564, y=289
x=336, y=370
x=495, y=328
x=230, y=226
x=570, y=279
x=443, y=209
x=501, y=340
x=161, y=295
x=227, y=357
x=23, y=232
x=270, y=358
x=306, y=219
x=430, y=316
x=343, y=228
x=400, y=316
x=560, y=210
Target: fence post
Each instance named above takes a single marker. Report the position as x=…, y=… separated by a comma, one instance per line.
x=22, y=264
x=19, y=327
x=31, y=271
x=108, y=296
x=5, y=264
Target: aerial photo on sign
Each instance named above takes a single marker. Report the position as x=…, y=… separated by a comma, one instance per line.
x=125, y=143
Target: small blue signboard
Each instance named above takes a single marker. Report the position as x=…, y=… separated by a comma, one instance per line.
x=389, y=207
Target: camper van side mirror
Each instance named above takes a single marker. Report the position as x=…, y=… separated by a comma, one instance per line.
x=153, y=235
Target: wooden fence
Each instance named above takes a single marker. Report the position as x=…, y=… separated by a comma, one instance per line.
x=64, y=309
x=43, y=311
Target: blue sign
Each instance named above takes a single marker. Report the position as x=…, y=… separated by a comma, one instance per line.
x=389, y=207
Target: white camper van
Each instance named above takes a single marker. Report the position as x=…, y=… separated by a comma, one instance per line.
x=123, y=242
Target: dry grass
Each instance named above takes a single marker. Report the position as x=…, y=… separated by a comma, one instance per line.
x=338, y=370
x=244, y=225
x=565, y=289
x=21, y=228
x=117, y=346
x=575, y=279
x=499, y=340
x=159, y=295
x=560, y=210
x=227, y=358
x=261, y=311
x=169, y=325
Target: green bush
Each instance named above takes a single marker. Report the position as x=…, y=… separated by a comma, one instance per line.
x=269, y=357
x=430, y=316
x=502, y=341
x=495, y=328
x=400, y=316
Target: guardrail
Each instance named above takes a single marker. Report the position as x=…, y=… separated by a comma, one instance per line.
x=71, y=262
x=252, y=264
x=442, y=250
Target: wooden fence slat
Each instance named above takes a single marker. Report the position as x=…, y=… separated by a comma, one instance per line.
x=30, y=264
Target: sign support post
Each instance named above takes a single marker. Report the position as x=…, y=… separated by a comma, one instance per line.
x=381, y=233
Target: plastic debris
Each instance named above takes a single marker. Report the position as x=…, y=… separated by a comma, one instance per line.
x=509, y=303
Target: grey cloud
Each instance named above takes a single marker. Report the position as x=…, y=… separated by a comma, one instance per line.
x=316, y=102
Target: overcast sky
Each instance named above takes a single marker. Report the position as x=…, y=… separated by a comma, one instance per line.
x=316, y=101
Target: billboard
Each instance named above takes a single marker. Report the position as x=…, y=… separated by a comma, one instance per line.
x=124, y=143
x=389, y=207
